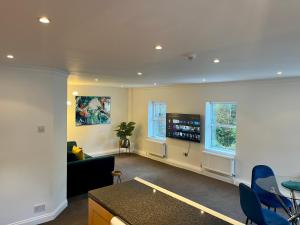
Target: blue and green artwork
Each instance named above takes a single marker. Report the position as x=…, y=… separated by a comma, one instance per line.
x=92, y=110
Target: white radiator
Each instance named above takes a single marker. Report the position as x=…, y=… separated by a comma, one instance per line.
x=219, y=164
x=156, y=148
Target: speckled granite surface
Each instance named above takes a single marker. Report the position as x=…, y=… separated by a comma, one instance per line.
x=136, y=204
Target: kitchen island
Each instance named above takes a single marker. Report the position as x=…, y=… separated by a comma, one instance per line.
x=138, y=202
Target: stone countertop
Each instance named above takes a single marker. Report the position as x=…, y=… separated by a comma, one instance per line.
x=137, y=204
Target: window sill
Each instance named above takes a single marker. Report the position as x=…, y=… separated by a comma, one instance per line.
x=157, y=140
x=219, y=153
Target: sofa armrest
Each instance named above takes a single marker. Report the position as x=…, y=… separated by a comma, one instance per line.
x=88, y=174
x=71, y=157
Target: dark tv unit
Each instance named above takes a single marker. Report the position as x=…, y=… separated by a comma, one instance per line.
x=183, y=126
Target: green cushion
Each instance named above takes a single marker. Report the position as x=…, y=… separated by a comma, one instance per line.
x=292, y=185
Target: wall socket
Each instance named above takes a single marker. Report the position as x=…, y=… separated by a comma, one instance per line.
x=39, y=208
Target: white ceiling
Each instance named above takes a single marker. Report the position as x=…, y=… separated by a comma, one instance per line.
x=113, y=40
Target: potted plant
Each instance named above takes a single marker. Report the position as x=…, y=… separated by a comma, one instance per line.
x=124, y=130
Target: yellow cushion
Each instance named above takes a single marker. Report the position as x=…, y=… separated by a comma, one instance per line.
x=78, y=152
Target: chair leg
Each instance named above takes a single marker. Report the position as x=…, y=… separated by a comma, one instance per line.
x=247, y=220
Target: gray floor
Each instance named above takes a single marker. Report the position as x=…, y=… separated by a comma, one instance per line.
x=217, y=195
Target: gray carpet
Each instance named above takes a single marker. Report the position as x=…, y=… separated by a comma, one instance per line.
x=217, y=195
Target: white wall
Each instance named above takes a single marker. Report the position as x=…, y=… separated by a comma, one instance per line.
x=32, y=164
x=98, y=139
x=268, y=117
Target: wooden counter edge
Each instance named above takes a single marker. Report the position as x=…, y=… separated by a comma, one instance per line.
x=97, y=214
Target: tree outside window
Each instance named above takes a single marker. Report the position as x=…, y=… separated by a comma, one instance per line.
x=221, y=127
x=157, y=120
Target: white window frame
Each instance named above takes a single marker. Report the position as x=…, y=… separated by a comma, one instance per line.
x=151, y=121
x=208, y=132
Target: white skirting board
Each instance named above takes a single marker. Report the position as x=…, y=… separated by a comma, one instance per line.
x=238, y=181
x=103, y=153
x=43, y=218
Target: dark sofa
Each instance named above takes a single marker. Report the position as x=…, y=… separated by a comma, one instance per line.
x=88, y=174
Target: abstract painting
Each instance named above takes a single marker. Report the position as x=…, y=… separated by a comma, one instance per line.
x=92, y=110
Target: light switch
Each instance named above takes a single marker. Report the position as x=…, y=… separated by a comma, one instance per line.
x=41, y=129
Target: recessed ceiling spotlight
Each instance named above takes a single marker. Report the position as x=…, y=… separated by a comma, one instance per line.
x=75, y=93
x=69, y=103
x=96, y=79
x=155, y=84
x=10, y=56
x=158, y=47
x=216, y=61
x=44, y=20
x=140, y=73
x=279, y=73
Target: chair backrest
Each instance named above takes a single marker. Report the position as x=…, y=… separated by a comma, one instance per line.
x=70, y=145
x=251, y=205
x=261, y=171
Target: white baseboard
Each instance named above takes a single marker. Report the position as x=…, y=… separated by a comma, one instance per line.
x=238, y=181
x=186, y=166
x=103, y=153
x=43, y=218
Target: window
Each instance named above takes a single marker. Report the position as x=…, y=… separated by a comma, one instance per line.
x=157, y=120
x=220, y=123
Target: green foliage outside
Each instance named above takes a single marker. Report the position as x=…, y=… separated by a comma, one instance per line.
x=226, y=137
x=225, y=126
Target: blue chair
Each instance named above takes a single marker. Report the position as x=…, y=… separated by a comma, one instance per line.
x=251, y=207
x=267, y=198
